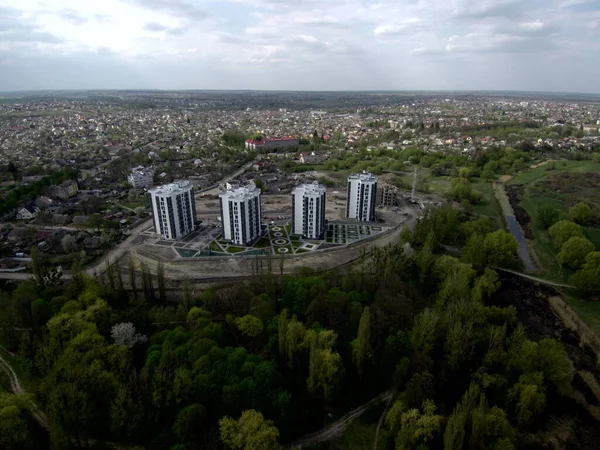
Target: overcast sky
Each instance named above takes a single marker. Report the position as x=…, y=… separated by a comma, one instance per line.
x=542, y=45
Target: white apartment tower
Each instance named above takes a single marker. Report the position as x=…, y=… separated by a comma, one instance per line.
x=362, y=194
x=308, y=210
x=240, y=213
x=141, y=177
x=174, y=209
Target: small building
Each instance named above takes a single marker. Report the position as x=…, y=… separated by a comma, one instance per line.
x=141, y=177
x=65, y=190
x=28, y=211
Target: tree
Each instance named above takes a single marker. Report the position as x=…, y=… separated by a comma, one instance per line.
x=259, y=184
x=14, y=429
x=96, y=221
x=38, y=265
x=361, y=346
x=249, y=325
x=580, y=213
x=500, y=248
x=589, y=275
x=124, y=334
x=140, y=210
x=546, y=217
x=529, y=396
x=69, y=243
x=574, y=252
x=564, y=230
x=188, y=423
x=187, y=296
x=131, y=268
x=414, y=426
x=250, y=432
x=325, y=367
x=162, y=288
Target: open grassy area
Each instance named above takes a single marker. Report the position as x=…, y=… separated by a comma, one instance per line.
x=263, y=243
x=532, y=175
x=588, y=311
x=488, y=206
x=358, y=436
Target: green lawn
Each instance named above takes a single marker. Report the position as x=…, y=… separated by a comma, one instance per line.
x=263, y=243
x=133, y=205
x=233, y=249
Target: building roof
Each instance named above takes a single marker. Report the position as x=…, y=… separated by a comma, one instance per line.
x=364, y=176
x=310, y=188
x=244, y=192
x=176, y=187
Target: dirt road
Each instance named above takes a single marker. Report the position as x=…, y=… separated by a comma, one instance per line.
x=337, y=428
x=537, y=280
x=17, y=388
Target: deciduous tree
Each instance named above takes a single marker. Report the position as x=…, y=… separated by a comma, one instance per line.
x=574, y=252
x=564, y=230
x=250, y=432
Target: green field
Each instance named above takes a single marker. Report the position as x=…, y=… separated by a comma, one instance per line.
x=557, y=166
x=488, y=206
x=587, y=310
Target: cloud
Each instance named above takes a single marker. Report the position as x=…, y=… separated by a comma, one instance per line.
x=301, y=44
x=73, y=17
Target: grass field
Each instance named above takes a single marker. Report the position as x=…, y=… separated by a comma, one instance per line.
x=488, y=206
x=358, y=436
x=532, y=175
x=588, y=311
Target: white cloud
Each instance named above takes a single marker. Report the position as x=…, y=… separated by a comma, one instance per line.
x=301, y=44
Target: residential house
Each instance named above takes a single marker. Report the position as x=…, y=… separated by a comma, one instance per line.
x=65, y=190
x=28, y=212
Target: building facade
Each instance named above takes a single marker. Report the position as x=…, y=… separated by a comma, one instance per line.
x=308, y=211
x=141, y=177
x=240, y=213
x=174, y=209
x=388, y=196
x=362, y=195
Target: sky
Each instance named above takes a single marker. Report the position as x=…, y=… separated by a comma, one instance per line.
x=530, y=45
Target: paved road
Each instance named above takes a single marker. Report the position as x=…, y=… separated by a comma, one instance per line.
x=117, y=252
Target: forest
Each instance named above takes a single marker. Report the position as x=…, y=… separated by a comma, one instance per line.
x=259, y=364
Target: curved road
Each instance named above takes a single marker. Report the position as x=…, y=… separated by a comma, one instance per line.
x=337, y=428
x=117, y=252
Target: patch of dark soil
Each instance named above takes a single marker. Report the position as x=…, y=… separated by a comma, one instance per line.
x=570, y=182
x=515, y=195
x=540, y=321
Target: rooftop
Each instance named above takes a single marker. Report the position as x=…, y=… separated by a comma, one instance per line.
x=173, y=188
x=364, y=176
x=244, y=192
x=310, y=188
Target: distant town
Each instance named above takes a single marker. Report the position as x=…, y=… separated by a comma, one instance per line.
x=85, y=170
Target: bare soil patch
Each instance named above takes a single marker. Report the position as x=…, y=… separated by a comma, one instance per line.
x=572, y=182
x=505, y=178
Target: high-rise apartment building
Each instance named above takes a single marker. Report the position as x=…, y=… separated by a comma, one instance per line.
x=362, y=194
x=240, y=213
x=308, y=210
x=141, y=177
x=174, y=209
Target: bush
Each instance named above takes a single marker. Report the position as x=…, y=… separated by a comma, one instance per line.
x=546, y=217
